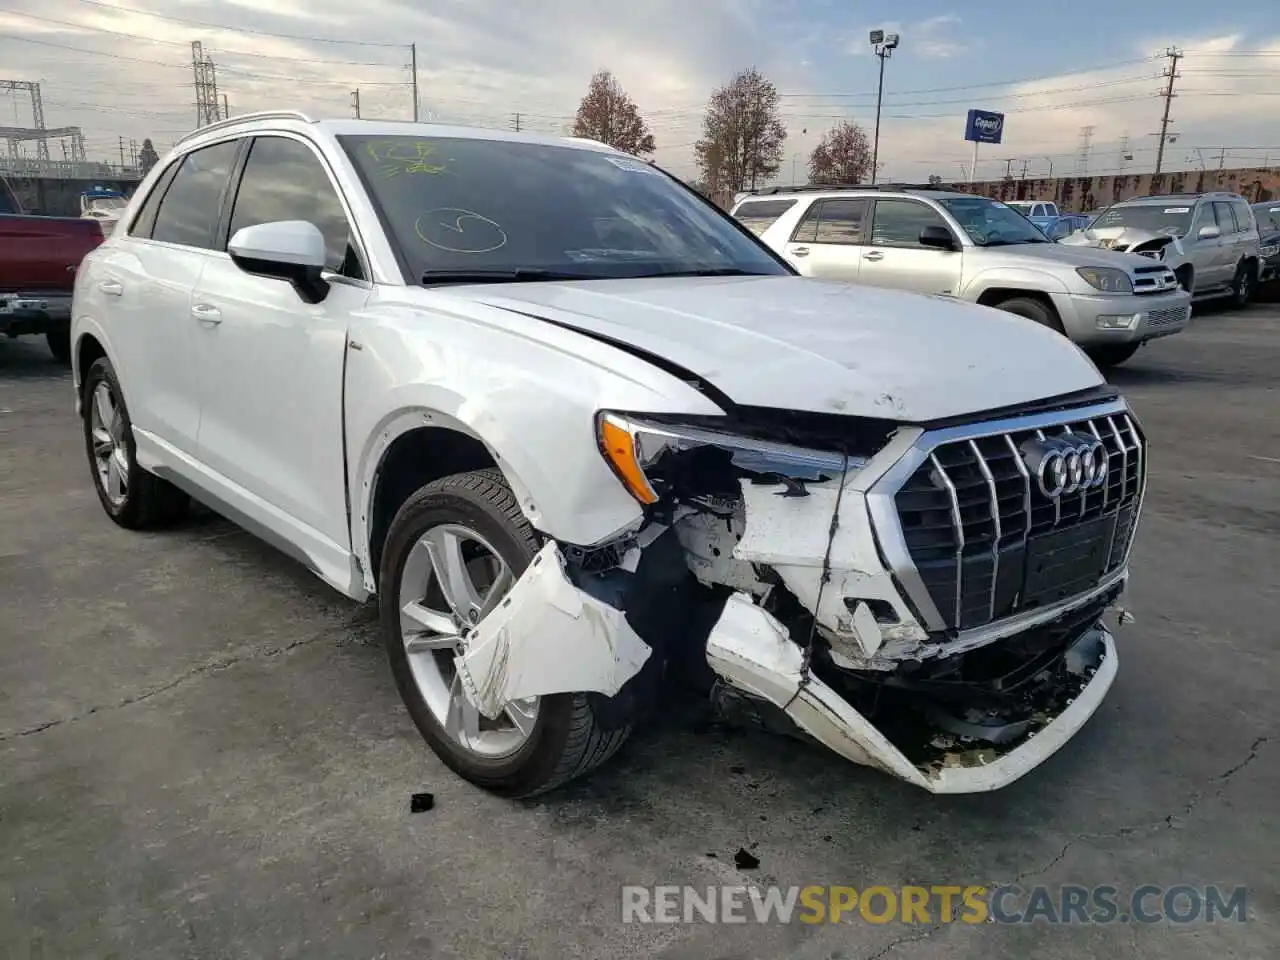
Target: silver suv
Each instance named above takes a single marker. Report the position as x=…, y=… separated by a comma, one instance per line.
x=974, y=249
x=1209, y=239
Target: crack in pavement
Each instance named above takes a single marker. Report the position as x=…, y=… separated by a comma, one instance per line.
x=1168, y=822
x=210, y=666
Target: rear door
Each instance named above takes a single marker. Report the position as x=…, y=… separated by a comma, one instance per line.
x=142, y=287
x=826, y=244
x=895, y=257
x=1234, y=240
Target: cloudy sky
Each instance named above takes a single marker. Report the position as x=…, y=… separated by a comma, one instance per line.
x=122, y=68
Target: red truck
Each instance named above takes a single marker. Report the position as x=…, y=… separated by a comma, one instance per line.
x=39, y=257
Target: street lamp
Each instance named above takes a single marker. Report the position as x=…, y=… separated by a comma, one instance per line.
x=884, y=44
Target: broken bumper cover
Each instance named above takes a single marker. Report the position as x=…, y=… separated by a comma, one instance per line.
x=754, y=652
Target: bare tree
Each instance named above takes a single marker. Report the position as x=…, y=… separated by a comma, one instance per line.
x=609, y=115
x=147, y=156
x=842, y=156
x=742, y=134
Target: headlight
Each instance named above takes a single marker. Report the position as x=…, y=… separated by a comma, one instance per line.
x=1106, y=279
x=646, y=456
x=1270, y=250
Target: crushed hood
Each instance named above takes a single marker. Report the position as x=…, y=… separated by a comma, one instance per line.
x=1116, y=239
x=818, y=346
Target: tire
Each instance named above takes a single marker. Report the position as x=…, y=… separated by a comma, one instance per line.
x=1033, y=309
x=59, y=342
x=1112, y=356
x=144, y=501
x=1243, y=285
x=565, y=740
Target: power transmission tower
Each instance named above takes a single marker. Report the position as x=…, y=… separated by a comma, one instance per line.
x=1171, y=71
x=355, y=102
x=1086, y=147
x=208, y=109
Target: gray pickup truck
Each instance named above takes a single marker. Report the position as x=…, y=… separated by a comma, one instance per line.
x=972, y=249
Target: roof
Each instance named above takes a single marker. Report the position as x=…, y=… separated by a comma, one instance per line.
x=390, y=128
x=813, y=188
x=1188, y=197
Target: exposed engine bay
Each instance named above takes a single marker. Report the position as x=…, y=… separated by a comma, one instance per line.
x=757, y=570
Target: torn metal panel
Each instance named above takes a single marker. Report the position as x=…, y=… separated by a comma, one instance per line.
x=548, y=637
x=708, y=540
x=751, y=650
x=790, y=535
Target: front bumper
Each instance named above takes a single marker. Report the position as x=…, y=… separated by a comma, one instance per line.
x=1270, y=269
x=1097, y=320
x=20, y=316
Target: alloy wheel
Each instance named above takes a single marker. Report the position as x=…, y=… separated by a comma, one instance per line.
x=110, y=452
x=452, y=578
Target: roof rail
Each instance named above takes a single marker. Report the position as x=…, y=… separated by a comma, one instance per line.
x=836, y=187
x=258, y=115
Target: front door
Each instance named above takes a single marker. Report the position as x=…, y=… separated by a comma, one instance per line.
x=825, y=242
x=894, y=257
x=272, y=418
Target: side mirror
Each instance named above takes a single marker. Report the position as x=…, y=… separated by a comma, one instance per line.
x=937, y=237
x=289, y=250
x=1209, y=232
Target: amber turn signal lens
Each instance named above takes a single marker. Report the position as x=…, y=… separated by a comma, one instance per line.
x=620, y=449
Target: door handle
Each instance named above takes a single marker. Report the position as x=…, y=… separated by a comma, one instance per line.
x=112, y=288
x=800, y=252
x=206, y=313
x=873, y=255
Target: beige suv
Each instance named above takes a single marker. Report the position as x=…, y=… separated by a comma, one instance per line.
x=973, y=249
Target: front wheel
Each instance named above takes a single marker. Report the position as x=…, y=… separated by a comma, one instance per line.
x=453, y=551
x=1033, y=309
x=132, y=497
x=1112, y=355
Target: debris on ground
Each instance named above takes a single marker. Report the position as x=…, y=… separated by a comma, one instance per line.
x=421, y=802
x=744, y=860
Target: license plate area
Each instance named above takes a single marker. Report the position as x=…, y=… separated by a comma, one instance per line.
x=1066, y=562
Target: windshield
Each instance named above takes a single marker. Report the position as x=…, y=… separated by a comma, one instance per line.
x=107, y=203
x=1267, y=215
x=489, y=209
x=992, y=224
x=1172, y=220
x=1022, y=206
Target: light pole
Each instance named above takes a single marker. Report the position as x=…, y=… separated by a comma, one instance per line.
x=884, y=44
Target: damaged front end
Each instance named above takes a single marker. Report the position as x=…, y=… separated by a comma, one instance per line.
x=927, y=601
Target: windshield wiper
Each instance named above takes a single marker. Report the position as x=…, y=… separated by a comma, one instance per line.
x=501, y=276
x=708, y=272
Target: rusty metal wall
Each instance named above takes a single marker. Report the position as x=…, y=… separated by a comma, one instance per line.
x=1085, y=194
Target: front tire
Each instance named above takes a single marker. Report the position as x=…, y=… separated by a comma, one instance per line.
x=452, y=551
x=132, y=497
x=1033, y=309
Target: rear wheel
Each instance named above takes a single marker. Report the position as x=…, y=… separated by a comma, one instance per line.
x=132, y=497
x=1242, y=286
x=1033, y=309
x=453, y=551
x=1112, y=355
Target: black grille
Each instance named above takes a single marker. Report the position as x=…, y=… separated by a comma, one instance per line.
x=988, y=544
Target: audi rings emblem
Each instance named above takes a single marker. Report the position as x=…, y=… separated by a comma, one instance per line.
x=1071, y=463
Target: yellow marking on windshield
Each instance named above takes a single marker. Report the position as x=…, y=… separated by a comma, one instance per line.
x=396, y=157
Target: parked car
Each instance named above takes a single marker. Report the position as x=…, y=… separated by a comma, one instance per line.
x=1267, y=216
x=1043, y=213
x=571, y=424
x=970, y=248
x=1066, y=225
x=1210, y=240
x=39, y=257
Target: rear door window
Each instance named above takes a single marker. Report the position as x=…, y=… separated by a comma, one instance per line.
x=842, y=221
x=1226, y=217
x=191, y=206
x=759, y=215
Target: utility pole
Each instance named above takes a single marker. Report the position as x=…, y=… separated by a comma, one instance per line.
x=1086, y=147
x=413, y=66
x=1008, y=168
x=355, y=102
x=226, y=109
x=517, y=122
x=884, y=44
x=1174, y=55
x=1024, y=168
x=1222, y=158
x=1125, y=155
x=122, y=153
